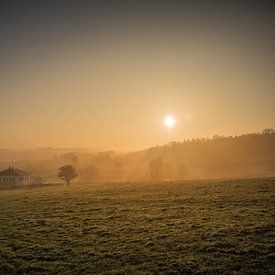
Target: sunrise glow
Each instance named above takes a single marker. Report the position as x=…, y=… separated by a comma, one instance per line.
x=169, y=121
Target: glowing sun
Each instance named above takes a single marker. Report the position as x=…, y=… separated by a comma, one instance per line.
x=169, y=121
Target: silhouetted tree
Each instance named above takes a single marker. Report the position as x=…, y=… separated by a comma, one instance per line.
x=268, y=131
x=89, y=174
x=67, y=173
x=158, y=169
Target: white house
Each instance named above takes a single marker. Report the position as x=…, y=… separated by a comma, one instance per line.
x=14, y=177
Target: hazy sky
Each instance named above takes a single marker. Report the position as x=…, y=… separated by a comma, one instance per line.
x=104, y=74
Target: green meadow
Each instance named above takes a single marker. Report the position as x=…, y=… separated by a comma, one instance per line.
x=186, y=227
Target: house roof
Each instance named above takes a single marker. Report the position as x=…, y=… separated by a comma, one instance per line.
x=11, y=171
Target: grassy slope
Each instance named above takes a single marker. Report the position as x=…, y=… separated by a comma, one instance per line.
x=194, y=226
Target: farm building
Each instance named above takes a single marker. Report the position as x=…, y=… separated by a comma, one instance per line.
x=12, y=177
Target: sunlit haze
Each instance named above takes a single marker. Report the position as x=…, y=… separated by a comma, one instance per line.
x=169, y=121
x=137, y=137
x=104, y=74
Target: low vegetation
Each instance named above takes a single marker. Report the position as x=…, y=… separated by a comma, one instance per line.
x=212, y=226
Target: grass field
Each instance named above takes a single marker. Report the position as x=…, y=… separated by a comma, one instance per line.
x=184, y=227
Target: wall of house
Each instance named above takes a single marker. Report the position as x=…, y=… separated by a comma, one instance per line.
x=14, y=180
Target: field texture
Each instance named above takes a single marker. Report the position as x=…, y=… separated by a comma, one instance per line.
x=183, y=227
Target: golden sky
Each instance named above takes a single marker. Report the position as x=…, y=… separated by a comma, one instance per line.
x=107, y=77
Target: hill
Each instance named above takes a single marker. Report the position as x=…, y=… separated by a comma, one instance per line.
x=247, y=155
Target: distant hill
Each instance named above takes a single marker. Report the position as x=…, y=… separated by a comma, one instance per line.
x=40, y=153
x=247, y=155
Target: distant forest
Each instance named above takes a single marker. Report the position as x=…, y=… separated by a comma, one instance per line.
x=247, y=155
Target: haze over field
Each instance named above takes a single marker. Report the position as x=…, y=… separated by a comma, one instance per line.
x=248, y=155
x=137, y=137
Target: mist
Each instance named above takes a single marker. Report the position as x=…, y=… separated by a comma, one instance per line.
x=249, y=155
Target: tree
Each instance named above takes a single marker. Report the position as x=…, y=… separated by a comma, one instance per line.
x=158, y=169
x=268, y=131
x=67, y=173
x=89, y=174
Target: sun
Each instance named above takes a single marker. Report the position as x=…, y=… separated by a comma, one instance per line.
x=169, y=121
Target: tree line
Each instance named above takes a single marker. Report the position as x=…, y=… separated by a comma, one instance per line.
x=245, y=155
